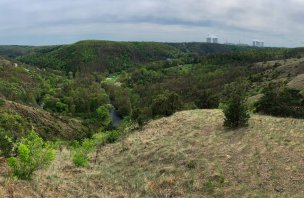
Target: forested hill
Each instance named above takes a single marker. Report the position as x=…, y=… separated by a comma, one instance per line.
x=101, y=56
x=110, y=56
x=208, y=48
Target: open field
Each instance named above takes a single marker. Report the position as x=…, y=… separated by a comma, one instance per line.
x=188, y=154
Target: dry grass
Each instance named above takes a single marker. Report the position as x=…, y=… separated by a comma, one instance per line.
x=188, y=154
x=297, y=82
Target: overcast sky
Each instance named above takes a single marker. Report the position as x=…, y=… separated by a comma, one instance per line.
x=41, y=22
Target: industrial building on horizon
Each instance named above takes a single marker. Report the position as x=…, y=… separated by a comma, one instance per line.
x=257, y=43
x=212, y=39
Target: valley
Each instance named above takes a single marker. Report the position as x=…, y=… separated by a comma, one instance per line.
x=145, y=119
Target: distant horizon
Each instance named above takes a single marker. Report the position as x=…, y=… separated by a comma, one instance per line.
x=74, y=42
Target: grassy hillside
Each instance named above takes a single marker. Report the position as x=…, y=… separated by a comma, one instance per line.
x=50, y=126
x=289, y=71
x=188, y=154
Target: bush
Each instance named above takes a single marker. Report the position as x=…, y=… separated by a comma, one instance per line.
x=281, y=101
x=166, y=104
x=234, y=107
x=33, y=154
x=80, y=153
x=112, y=136
x=80, y=159
x=103, y=115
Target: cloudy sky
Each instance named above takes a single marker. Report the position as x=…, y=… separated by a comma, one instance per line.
x=41, y=22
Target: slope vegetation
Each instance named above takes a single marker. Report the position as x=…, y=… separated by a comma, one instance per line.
x=188, y=154
x=49, y=126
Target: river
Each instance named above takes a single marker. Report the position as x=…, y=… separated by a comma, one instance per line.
x=116, y=118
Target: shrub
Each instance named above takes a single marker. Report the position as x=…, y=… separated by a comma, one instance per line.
x=103, y=114
x=80, y=153
x=112, y=136
x=80, y=159
x=166, y=104
x=33, y=154
x=281, y=101
x=234, y=107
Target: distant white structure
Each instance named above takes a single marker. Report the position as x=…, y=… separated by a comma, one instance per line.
x=212, y=39
x=257, y=43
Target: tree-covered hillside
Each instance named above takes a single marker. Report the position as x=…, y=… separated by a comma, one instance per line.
x=108, y=56
x=101, y=56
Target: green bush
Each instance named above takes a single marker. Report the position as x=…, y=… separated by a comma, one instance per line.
x=112, y=136
x=103, y=114
x=234, y=106
x=80, y=159
x=33, y=154
x=80, y=153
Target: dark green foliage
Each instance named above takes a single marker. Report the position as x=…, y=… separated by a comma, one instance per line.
x=234, y=106
x=279, y=100
x=112, y=136
x=80, y=95
x=193, y=86
x=120, y=98
x=166, y=104
x=33, y=154
x=2, y=102
x=103, y=114
x=208, y=48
